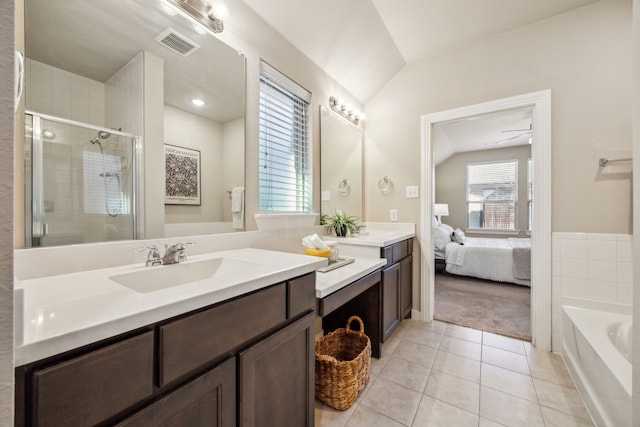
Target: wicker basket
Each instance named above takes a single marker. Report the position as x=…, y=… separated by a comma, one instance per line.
x=342, y=365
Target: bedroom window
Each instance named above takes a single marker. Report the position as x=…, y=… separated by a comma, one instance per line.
x=492, y=195
x=285, y=152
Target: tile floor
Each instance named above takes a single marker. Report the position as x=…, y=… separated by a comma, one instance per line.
x=438, y=374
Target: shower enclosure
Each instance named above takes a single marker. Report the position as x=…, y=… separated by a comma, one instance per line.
x=80, y=182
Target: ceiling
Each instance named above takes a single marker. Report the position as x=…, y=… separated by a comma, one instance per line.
x=96, y=38
x=501, y=129
x=363, y=43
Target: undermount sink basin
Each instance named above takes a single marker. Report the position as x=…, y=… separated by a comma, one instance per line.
x=152, y=279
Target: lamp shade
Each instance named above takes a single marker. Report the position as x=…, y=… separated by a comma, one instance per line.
x=441, y=209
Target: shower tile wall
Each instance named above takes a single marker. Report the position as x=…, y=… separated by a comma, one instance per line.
x=53, y=91
x=592, y=269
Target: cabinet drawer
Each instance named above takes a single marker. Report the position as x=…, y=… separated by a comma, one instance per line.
x=192, y=342
x=400, y=250
x=93, y=387
x=209, y=400
x=302, y=294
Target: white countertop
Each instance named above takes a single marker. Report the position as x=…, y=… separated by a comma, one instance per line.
x=334, y=280
x=380, y=234
x=67, y=311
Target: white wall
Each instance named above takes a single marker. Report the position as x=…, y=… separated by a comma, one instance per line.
x=51, y=90
x=583, y=56
x=188, y=130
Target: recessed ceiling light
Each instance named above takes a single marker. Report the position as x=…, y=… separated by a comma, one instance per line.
x=197, y=102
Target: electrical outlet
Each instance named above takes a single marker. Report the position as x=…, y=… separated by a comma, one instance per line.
x=325, y=196
x=393, y=214
x=411, y=191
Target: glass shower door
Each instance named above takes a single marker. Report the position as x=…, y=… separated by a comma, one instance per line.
x=80, y=183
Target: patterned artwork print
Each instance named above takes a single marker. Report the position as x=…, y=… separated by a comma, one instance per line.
x=182, y=175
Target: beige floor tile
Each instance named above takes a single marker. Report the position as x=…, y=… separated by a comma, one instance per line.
x=484, y=422
x=553, y=418
x=326, y=416
x=505, y=359
x=563, y=398
x=416, y=353
x=390, y=345
x=405, y=373
x=461, y=347
x=460, y=393
x=366, y=417
x=392, y=400
x=458, y=366
x=435, y=326
x=434, y=413
x=507, y=381
x=464, y=333
x=502, y=342
x=549, y=367
x=509, y=410
x=424, y=337
x=376, y=365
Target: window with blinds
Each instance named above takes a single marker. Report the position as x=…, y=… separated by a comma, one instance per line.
x=492, y=195
x=285, y=152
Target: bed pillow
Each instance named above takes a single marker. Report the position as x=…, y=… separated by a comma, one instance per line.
x=447, y=227
x=458, y=236
x=441, y=237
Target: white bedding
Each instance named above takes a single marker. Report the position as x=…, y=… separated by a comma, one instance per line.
x=485, y=258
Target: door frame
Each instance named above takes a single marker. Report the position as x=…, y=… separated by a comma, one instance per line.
x=541, y=237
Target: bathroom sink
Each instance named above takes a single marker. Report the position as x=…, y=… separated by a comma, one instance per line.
x=150, y=279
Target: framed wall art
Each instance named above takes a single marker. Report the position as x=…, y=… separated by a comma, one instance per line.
x=182, y=172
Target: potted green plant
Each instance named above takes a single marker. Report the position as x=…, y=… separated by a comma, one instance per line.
x=339, y=223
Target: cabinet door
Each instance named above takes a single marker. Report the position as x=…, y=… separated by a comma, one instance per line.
x=277, y=382
x=406, y=286
x=390, y=300
x=209, y=400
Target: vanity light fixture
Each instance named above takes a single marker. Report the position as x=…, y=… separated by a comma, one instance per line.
x=198, y=102
x=208, y=14
x=346, y=111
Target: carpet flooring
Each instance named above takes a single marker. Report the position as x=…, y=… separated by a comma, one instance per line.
x=500, y=308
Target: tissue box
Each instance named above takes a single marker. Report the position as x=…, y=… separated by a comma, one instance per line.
x=325, y=253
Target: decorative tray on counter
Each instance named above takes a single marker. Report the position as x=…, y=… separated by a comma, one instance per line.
x=340, y=262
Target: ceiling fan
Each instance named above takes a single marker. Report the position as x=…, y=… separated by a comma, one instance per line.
x=521, y=133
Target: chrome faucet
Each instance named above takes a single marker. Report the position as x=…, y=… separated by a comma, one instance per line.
x=175, y=253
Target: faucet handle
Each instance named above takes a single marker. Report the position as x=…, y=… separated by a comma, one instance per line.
x=153, y=256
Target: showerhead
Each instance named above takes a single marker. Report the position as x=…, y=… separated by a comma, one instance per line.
x=101, y=135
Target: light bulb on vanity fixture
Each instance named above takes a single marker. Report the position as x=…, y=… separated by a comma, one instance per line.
x=346, y=110
x=208, y=14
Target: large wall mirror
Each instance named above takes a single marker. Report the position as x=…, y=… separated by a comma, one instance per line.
x=90, y=70
x=340, y=165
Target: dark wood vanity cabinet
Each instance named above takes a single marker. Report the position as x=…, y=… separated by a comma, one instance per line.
x=248, y=361
x=397, y=285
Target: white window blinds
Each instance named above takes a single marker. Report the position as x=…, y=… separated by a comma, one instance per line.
x=285, y=152
x=492, y=195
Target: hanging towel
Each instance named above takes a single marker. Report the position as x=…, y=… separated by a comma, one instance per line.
x=237, y=207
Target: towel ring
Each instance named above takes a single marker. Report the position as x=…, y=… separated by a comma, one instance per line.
x=385, y=185
x=344, y=187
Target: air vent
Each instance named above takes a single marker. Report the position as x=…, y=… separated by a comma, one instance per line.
x=178, y=43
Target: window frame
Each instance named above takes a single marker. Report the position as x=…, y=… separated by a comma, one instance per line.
x=514, y=201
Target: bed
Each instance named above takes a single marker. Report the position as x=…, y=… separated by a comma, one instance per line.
x=500, y=260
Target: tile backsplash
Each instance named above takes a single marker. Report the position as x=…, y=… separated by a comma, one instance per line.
x=593, y=270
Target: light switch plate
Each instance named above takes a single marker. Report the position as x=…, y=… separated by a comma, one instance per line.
x=393, y=215
x=325, y=196
x=411, y=191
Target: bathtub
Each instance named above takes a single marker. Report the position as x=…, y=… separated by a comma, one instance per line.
x=597, y=351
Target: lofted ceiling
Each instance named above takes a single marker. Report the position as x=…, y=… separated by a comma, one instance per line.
x=363, y=43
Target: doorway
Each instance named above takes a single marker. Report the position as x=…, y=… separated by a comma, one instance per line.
x=540, y=103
